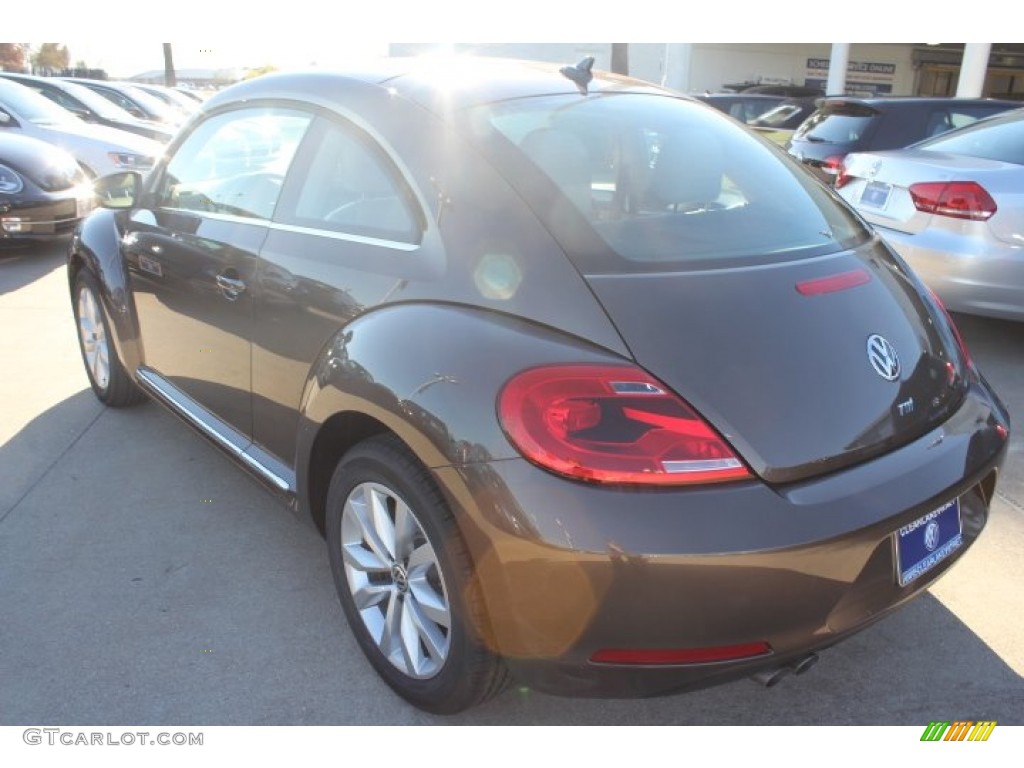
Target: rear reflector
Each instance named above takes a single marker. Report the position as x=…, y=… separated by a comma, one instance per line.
x=956, y=199
x=834, y=283
x=956, y=331
x=680, y=655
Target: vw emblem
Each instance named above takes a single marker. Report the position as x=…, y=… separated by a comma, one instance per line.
x=883, y=358
x=931, y=535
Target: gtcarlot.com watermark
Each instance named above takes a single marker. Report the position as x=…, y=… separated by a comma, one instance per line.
x=55, y=736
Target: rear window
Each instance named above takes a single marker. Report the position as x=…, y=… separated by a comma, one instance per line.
x=640, y=182
x=999, y=139
x=779, y=117
x=837, y=125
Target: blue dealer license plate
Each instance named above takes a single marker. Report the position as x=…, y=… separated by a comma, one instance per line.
x=927, y=541
x=876, y=194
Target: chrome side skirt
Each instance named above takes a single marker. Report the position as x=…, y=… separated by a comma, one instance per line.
x=226, y=437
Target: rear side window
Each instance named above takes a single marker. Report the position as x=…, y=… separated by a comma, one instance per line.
x=999, y=139
x=350, y=186
x=639, y=182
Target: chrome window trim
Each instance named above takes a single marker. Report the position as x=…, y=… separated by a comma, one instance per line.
x=396, y=245
x=229, y=217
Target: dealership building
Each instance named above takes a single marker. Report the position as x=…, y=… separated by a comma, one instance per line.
x=900, y=69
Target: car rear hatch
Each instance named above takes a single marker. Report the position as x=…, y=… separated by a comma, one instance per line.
x=837, y=128
x=884, y=185
x=788, y=360
x=732, y=277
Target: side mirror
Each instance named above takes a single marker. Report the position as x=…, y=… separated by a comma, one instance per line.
x=6, y=120
x=118, y=190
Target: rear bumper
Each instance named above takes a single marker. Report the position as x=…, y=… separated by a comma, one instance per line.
x=981, y=276
x=566, y=574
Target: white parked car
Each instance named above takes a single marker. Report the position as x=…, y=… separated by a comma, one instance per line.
x=98, y=149
x=953, y=208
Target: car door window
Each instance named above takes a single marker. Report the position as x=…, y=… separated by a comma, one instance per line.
x=234, y=163
x=350, y=186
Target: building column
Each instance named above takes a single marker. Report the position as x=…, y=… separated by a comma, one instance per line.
x=973, y=68
x=675, y=71
x=837, y=64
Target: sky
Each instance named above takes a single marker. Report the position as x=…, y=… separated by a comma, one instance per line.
x=114, y=35
x=133, y=57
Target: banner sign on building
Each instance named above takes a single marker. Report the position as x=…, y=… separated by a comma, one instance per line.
x=862, y=77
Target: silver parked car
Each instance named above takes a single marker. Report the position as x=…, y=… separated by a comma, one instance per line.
x=98, y=149
x=953, y=207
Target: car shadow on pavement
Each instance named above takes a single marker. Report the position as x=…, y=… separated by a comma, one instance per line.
x=21, y=265
x=147, y=580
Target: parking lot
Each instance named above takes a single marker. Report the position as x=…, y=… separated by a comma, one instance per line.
x=147, y=580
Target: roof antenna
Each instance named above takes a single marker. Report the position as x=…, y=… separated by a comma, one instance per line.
x=580, y=73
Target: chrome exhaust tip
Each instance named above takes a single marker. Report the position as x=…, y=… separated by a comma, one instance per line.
x=769, y=678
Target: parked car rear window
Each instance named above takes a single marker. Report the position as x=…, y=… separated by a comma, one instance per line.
x=640, y=182
x=1001, y=139
x=777, y=117
x=837, y=126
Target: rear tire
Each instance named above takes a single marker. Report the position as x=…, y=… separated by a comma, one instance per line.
x=405, y=580
x=108, y=378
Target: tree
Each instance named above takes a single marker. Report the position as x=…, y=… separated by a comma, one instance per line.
x=12, y=56
x=51, y=57
x=266, y=69
x=620, y=58
x=170, y=79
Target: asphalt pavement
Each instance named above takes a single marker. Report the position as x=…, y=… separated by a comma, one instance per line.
x=144, y=579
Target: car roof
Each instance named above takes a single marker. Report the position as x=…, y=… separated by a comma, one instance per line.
x=884, y=102
x=743, y=96
x=437, y=83
x=51, y=82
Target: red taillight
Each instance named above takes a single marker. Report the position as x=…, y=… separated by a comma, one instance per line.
x=680, y=655
x=832, y=164
x=612, y=424
x=842, y=177
x=957, y=199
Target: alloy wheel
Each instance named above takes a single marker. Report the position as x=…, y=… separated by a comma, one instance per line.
x=395, y=579
x=93, y=337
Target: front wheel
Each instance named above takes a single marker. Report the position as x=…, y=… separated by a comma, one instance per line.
x=108, y=378
x=404, y=578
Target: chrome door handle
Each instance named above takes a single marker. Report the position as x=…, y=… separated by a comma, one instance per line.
x=230, y=288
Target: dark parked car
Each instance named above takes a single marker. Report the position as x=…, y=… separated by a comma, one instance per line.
x=43, y=191
x=744, y=107
x=90, y=106
x=842, y=125
x=582, y=381
x=787, y=90
x=790, y=91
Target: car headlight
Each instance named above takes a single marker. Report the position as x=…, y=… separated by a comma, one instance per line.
x=10, y=182
x=131, y=161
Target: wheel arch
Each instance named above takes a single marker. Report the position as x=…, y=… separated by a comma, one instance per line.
x=427, y=373
x=96, y=248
